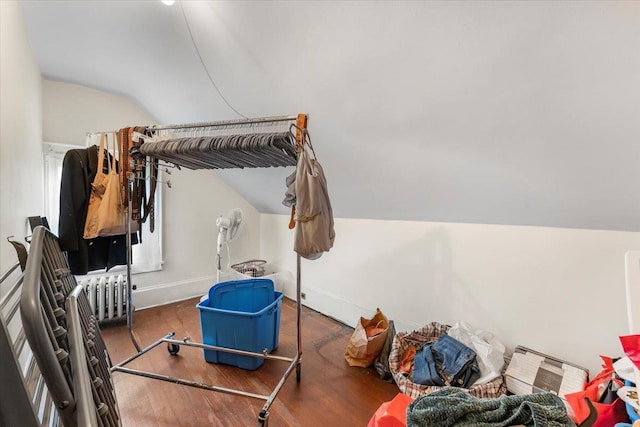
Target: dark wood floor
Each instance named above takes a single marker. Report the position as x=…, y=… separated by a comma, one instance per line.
x=330, y=392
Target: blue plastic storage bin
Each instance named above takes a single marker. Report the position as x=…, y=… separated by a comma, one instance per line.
x=249, y=295
x=238, y=315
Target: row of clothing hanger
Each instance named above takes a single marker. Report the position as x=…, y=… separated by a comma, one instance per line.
x=253, y=150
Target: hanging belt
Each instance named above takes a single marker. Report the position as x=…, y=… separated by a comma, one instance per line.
x=149, y=206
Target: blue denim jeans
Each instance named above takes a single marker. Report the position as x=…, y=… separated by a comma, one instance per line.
x=456, y=361
x=446, y=362
x=424, y=368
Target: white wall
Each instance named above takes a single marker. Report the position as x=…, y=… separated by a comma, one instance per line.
x=69, y=111
x=191, y=206
x=20, y=132
x=559, y=291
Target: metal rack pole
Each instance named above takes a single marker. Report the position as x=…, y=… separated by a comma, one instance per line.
x=226, y=123
x=299, y=312
x=129, y=307
x=213, y=124
x=263, y=416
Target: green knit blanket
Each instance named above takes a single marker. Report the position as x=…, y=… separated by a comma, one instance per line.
x=452, y=407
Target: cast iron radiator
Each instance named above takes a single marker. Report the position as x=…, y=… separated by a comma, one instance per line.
x=107, y=296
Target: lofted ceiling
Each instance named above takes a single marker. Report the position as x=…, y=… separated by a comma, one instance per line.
x=523, y=113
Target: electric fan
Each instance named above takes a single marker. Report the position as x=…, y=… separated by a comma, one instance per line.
x=228, y=228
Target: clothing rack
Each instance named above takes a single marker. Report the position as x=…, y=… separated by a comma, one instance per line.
x=236, y=144
x=298, y=130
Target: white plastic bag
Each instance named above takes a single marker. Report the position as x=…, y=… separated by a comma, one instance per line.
x=624, y=369
x=489, y=350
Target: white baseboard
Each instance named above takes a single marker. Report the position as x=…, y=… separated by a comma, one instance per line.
x=166, y=293
x=330, y=305
x=317, y=299
x=345, y=311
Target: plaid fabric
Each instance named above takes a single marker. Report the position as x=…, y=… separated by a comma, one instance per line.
x=430, y=333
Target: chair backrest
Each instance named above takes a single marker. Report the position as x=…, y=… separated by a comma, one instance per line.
x=67, y=344
x=79, y=334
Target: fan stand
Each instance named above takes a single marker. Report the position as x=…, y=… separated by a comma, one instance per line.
x=221, y=232
x=228, y=227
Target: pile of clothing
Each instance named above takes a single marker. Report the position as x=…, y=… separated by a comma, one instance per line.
x=439, y=356
x=445, y=362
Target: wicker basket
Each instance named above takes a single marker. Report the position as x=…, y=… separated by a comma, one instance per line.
x=253, y=267
x=430, y=333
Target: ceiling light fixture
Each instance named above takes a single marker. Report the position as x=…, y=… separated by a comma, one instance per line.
x=168, y=2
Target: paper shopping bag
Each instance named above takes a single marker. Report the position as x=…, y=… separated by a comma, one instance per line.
x=367, y=340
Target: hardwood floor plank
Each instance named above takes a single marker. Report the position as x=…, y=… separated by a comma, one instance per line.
x=330, y=392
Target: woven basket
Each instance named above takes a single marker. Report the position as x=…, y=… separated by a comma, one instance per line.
x=430, y=333
x=253, y=267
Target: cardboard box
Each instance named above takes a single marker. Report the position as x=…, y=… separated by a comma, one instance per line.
x=532, y=372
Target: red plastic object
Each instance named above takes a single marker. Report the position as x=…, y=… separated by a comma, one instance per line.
x=392, y=413
x=608, y=414
x=631, y=346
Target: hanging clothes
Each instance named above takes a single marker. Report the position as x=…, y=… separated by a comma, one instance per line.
x=79, y=168
x=315, y=232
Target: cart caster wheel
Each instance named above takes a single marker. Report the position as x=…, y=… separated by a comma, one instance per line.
x=173, y=349
x=298, y=372
x=263, y=419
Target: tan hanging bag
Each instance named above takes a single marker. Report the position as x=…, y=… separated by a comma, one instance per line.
x=106, y=215
x=315, y=232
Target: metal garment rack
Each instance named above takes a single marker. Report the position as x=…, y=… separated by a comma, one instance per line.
x=299, y=123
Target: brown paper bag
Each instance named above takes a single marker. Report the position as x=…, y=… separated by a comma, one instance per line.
x=367, y=340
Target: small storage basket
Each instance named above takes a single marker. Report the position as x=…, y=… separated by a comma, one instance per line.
x=252, y=268
x=431, y=333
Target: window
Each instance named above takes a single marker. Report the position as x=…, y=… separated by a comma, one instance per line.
x=147, y=256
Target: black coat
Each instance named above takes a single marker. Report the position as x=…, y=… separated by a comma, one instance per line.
x=79, y=168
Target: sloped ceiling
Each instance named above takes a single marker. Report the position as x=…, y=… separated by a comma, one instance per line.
x=524, y=113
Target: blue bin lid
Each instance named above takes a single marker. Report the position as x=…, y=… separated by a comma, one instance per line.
x=242, y=295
